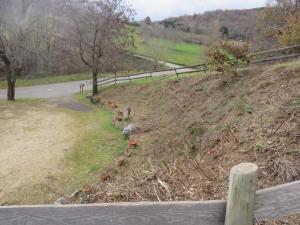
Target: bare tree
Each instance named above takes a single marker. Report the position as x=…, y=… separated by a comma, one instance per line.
x=18, y=39
x=154, y=36
x=99, y=30
x=158, y=50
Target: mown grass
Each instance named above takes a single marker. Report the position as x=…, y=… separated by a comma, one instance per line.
x=181, y=53
x=23, y=101
x=99, y=144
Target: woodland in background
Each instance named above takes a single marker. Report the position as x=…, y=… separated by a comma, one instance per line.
x=240, y=24
x=66, y=36
x=277, y=24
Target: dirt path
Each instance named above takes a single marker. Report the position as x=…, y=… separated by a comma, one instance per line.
x=31, y=154
x=69, y=103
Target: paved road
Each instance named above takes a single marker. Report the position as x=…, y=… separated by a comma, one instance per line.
x=49, y=90
x=170, y=65
x=63, y=89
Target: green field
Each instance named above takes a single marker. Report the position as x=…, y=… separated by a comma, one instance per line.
x=181, y=53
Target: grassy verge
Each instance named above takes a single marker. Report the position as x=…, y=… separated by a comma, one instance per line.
x=181, y=53
x=99, y=144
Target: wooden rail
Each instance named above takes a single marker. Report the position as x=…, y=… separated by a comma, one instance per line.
x=200, y=67
x=177, y=71
x=281, y=51
x=270, y=203
x=276, y=58
x=275, y=50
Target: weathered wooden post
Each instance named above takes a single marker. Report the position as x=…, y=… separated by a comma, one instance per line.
x=151, y=76
x=115, y=79
x=205, y=68
x=241, y=196
x=176, y=71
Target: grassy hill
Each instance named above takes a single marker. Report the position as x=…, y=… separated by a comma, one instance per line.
x=192, y=130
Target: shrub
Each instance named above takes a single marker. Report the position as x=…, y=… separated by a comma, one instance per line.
x=225, y=56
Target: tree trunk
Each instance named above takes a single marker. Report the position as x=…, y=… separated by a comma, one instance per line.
x=10, y=75
x=11, y=90
x=11, y=84
x=95, y=82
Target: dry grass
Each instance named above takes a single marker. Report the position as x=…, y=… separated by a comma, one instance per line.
x=50, y=149
x=192, y=131
x=31, y=155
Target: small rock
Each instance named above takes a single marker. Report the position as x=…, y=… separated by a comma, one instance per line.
x=129, y=129
x=127, y=112
x=61, y=201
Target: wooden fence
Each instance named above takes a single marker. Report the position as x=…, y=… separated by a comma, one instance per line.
x=276, y=54
x=255, y=58
x=151, y=74
x=244, y=207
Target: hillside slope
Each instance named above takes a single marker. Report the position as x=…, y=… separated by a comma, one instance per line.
x=192, y=130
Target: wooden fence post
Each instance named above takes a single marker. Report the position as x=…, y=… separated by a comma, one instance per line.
x=205, y=68
x=115, y=79
x=176, y=71
x=241, y=196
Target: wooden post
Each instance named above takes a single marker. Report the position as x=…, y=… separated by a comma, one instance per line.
x=241, y=196
x=205, y=68
x=115, y=79
x=81, y=86
x=151, y=76
x=176, y=71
